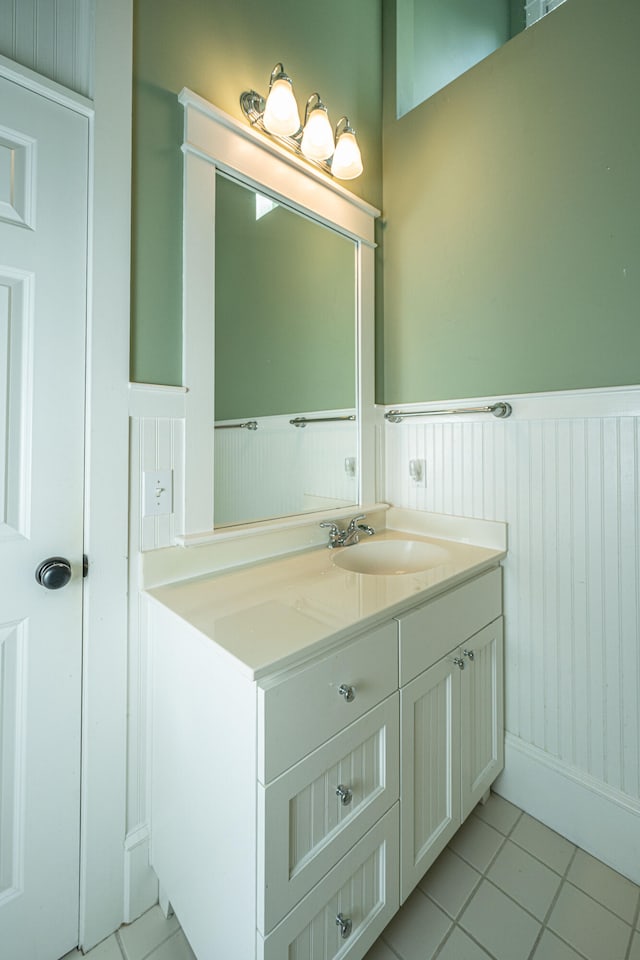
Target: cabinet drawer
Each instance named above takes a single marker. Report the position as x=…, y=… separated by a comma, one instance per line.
x=431, y=631
x=362, y=887
x=305, y=707
x=307, y=827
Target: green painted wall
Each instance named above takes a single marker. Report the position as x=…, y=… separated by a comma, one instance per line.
x=218, y=49
x=512, y=211
x=285, y=311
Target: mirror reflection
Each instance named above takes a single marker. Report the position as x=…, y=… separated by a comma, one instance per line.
x=285, y=349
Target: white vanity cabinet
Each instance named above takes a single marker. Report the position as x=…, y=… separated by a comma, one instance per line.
x=451, y=729
x=275, y=800
x=297, y=799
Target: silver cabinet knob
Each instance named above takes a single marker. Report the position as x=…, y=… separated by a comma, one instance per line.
x=469, y=654
x=347, y=691
x=345, y=925
x=459, y=662
x=345, y=794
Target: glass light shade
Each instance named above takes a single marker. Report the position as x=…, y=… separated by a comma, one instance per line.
x=347, y=161
x=317, y=139
x=281, y=110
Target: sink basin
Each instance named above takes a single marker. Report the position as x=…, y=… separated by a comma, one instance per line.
x=388, y=557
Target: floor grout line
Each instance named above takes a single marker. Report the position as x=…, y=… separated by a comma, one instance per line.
x=547, y=917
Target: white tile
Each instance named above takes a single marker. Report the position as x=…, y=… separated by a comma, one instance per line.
x=499, y=814
x=380, y=951
x=606, y=886
x=461, y=947
x=635, y=947
x=477, y=843
x=450, y=882
x=551, y=948
x=138, y=939
x=587, y=926
x=499, y=924
x=524, y=879
x=543, y=843
x=73, y=955
x=418, y=929
x=175, y=948
x=107, y=950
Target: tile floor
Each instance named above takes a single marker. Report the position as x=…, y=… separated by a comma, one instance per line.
x=506, y=888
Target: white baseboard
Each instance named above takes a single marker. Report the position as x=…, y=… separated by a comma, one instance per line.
x=592, y=815
x=140, y=880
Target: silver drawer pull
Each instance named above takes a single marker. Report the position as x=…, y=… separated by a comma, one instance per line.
x=459, y=662
x=345, y=794
x=470, y=654
x=345, y=925
x=347, y=691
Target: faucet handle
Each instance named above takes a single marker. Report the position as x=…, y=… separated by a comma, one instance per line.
x=333, y=527
x=336, y=535
x=354, y=523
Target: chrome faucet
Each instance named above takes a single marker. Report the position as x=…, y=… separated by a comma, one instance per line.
x=350, y=536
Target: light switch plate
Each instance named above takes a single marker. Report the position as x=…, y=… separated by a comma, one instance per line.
x=158, y=492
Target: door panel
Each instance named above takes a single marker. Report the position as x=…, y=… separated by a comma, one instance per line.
x=43, y=254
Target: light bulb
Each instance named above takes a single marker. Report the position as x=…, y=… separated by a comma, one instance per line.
x=317, y=139
x=347, y=161
x=281, y=110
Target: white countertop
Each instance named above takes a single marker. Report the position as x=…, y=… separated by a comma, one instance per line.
x=278, y=613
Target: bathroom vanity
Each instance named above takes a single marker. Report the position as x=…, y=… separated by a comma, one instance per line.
x=318, y=737
x=321, y=722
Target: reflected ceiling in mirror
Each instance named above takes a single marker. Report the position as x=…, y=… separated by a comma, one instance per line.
x=285, y=348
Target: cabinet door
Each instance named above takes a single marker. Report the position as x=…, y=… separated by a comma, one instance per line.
x=482, y=728
x=429, y=769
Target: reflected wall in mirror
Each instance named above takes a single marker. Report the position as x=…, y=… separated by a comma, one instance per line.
x=285, y=347
x=439, y=40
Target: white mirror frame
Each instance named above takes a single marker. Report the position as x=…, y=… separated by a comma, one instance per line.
x=215, y=141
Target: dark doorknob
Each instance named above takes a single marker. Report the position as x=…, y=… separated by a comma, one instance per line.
x=53, y=573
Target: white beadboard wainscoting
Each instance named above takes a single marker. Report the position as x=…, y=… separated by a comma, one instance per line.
x=156, y=438
x=563, y=472
x=280, y=469
x=54, y=39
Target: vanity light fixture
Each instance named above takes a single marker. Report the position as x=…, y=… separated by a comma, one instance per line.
x=281, y=115
x=347, y=161
x=317, y=137
x=278, y=117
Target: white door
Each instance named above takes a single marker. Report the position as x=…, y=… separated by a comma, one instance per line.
x=43, y=244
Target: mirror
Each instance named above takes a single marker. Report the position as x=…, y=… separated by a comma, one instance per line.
x=277, y=311
x=439, y=40
x=284, y=348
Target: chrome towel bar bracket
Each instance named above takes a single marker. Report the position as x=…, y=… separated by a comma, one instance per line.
x=247, y=425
